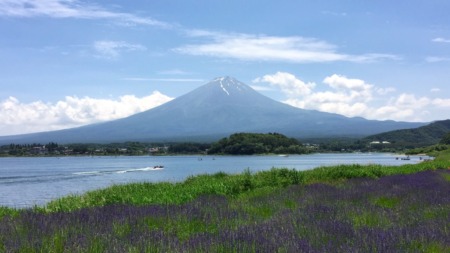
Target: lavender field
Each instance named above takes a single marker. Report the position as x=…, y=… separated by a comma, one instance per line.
x=397, y=213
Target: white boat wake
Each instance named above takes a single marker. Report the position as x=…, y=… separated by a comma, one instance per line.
x=91, y=173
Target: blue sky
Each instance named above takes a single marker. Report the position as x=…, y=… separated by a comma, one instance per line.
x=66, y=63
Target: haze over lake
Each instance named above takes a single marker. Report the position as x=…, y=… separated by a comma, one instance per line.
x=27, y=181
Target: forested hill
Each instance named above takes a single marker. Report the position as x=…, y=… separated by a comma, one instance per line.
x=255, y=143
x=417, y=137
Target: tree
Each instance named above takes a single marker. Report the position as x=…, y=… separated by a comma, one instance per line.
x=255, y=143
x=188, y=148
x=446, y=139
x=51, y=147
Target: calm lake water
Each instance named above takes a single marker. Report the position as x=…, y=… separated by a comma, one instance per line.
x=25, y=182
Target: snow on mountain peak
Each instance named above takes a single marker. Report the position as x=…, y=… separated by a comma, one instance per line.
x=230, y=85
x=223, y=88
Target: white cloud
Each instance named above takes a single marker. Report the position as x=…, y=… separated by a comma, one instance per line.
x=393, y=112
x=174, y=72
x=439, y=102
x=346, y=96
x=384, y=91
x=144, y=79
x=18, y=117
x=271, y=48
x=410, y=101
x=357, y=98
x=260, y=88
x=70, y=9
x=334, y=13
x=441, y=40
x=435, y=90
x=343, y=83
x=328, y=97
x=433, y=59
x=355, y=90
x=112, y=49
x=288, y=83
x=405, y=107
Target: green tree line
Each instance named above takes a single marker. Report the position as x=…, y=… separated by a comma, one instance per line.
x=255, y=143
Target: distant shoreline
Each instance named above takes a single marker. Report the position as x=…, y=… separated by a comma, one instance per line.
x=199, y=154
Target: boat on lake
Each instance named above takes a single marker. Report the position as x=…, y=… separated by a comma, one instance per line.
x=406, y=158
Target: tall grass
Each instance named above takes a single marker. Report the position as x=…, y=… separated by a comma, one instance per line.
x=344, y=208
x=443, y=155
x=397, y=213
x=228, y=185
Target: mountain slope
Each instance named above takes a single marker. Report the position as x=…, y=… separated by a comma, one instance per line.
x=418, y=137
x=214, y=110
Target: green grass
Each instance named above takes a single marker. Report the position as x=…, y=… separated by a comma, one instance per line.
x=443, y=155
x=8, y=211
x=370, y=219
x=232, y=186
x=434, y=247
x=386, y=202
x=446, y=177
x=242, y=185
x=249, y=212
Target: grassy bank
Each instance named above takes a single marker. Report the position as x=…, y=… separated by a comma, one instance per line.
x=344, y=208
x=228, y=185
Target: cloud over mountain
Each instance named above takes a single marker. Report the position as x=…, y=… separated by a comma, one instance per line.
x=354, y=97
x=18, y=117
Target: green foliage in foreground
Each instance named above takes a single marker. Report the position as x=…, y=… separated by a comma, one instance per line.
x=398, y=213
x=281, y=210
x=228, y=185
x=224, y=184
x=431, y=150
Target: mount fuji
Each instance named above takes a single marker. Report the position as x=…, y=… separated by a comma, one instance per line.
x=217, y=109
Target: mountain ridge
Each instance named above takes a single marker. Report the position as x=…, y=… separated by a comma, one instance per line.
x=416, y=137
x=217, y=109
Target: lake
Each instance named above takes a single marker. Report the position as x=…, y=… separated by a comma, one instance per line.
x=28, y=181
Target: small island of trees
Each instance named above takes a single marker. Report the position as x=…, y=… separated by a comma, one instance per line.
x=256, y=143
